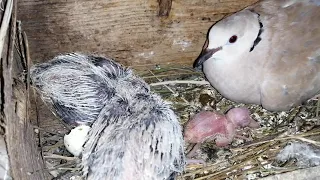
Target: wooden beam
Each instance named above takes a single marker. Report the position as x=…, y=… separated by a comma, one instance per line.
x=24, y=157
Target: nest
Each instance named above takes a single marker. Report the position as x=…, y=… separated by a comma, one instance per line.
x=241, y=160
x=189, y=93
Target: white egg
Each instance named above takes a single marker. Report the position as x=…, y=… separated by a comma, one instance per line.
x=75, y=139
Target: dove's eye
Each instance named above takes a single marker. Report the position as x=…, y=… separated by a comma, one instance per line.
x=233, y=39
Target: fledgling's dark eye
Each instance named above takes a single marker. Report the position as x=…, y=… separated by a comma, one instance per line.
x=233, y=39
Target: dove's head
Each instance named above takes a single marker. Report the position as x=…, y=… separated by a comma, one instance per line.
x=231, y=37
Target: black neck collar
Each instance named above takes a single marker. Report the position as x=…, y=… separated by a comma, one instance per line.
x=258, y=39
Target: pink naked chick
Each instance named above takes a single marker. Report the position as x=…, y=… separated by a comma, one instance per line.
x=207, y=125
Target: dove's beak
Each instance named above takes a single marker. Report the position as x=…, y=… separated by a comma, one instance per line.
x=205, y=55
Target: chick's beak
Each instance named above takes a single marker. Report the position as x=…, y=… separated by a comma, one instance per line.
x=205, y=55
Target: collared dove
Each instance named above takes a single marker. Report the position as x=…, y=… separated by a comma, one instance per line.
x=134, y=133
x=268, y=54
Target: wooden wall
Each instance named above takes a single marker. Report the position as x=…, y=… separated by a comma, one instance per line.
x=15, y=125
x=129, y=30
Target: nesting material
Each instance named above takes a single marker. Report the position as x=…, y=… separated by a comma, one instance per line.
x=241, y=159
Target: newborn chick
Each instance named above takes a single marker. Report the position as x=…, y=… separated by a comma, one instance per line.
x=134, y=133
x=208, y=125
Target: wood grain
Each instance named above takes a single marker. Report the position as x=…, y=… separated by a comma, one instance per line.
x=24, y=156
x=129, y=30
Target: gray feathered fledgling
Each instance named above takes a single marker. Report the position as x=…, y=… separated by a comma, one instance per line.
x=78, y=86
x=268, y=54
x=134, y=133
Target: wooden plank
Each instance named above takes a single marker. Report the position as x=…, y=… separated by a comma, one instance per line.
x=25, y=159
x=24, y=156
x=129, y=30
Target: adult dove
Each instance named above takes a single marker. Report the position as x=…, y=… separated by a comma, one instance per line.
x=268, y=54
